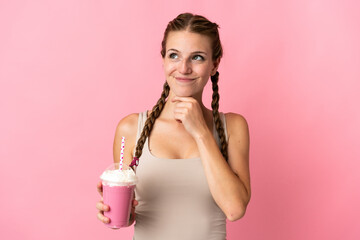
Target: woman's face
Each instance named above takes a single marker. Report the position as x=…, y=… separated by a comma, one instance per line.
x=188, y=62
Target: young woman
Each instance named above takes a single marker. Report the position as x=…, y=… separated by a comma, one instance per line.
x=193, y=163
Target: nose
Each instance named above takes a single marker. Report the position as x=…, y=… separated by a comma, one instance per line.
x=185, y=67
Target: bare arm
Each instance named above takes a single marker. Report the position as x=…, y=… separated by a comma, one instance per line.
x=127, y=127
x=229, y=182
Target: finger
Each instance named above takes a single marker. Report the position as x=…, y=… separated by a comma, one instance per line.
x=102, y=207
x=179, y=116
x=99, y=206
x=132, y=214
x=182, y=99
x=175, y=99
x=103, y=218
x=134, y=198
x=183, y=105
x=99, y=185
x=100, y=188
x=134, y=202
x=131, y=220
x=182, y=110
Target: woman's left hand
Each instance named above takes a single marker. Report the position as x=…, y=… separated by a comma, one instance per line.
x=188, y=111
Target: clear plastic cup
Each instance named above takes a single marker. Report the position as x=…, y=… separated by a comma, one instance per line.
x=118, y=193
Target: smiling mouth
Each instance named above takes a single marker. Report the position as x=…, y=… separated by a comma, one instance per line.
x=184, y=79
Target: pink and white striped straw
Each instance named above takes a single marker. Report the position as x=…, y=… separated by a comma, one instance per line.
x=122, y=152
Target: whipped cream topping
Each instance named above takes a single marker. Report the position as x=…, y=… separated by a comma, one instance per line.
x=119, y=177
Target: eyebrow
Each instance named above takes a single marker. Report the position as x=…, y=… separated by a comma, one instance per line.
x=172, y=49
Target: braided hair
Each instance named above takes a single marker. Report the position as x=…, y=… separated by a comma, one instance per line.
x=216, y=115
x=155, y=113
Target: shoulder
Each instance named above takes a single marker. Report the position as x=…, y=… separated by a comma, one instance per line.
x=237, y=127
x=128, y=125
x=127, y=128
x=235, y=121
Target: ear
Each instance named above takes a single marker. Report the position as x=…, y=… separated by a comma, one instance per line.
x=216, y=66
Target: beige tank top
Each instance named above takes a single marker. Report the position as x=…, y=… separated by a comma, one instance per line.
x=174, y=198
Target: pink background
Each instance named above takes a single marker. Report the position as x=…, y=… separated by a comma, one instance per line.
x=70, y=70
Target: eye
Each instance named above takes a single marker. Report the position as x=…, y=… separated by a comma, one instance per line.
x=173, y=56
x=198, y=58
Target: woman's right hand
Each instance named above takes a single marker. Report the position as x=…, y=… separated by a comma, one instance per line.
x=104, y=208
x=101, y=206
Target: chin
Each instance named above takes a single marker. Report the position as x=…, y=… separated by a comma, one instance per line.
x=183, y=91
x=184, y=94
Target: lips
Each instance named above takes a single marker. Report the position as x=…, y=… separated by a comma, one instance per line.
x=182, y=79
